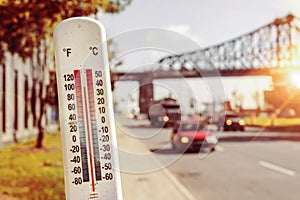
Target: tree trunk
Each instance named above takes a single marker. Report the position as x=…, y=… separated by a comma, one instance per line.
x=33, y=102
x=39, y=140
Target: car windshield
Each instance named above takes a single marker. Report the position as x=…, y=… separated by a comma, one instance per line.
x=190, y=127
x=175, y=106
x=232, y=116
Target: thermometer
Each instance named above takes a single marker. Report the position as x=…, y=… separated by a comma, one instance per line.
x=86, y=111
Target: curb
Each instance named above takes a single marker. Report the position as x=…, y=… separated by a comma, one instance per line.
x=293, y=128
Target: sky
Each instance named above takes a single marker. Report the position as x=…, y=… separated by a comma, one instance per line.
x=185, y=26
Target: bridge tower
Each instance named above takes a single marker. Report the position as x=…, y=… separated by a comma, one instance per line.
x=146, y=95
x=146, y=91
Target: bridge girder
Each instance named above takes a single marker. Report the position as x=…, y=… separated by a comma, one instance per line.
x=271, y=46
x=260, y=52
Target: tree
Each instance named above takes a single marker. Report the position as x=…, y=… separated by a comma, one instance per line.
x=26, y=29
x=26, y=23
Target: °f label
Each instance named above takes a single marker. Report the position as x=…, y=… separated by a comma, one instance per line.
x=86, y=111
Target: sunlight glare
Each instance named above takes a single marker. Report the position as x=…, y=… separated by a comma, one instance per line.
x=295, y=79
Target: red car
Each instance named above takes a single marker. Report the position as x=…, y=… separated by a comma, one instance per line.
x=192, y=135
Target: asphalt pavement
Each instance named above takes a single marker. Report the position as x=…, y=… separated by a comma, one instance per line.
x=255, y=164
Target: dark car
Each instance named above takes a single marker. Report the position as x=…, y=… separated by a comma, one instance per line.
x=164, y=112
x=192, y=135
x=231, y=121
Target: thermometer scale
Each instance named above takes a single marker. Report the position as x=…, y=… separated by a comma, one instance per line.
x=86, y=111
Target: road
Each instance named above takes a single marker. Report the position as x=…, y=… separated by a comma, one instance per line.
x=246, y=165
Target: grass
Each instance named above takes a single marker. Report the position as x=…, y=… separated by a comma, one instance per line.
x=33, y=174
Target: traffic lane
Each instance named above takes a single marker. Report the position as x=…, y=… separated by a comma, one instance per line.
x=225, y=176
x=232, y=173
x=281, y=148
x=158, y=140
x=236, y=173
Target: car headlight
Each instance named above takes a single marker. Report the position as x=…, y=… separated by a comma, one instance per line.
x=211, y=139
x=131, y=116
x=185, y=140
x=166, y=118
x=242, y=122
x=228, y=122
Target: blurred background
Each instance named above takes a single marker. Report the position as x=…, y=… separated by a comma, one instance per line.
x=233, y=67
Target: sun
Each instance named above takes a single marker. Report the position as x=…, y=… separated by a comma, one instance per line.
x=295, y=79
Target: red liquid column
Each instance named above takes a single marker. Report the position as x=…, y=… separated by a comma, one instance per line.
x=81, y=126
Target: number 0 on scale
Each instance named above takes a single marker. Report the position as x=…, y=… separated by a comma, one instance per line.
x=86, y=111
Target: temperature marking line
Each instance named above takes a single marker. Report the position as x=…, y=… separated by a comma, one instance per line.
x=89, y=78
x=81, y=126
x=89, y=138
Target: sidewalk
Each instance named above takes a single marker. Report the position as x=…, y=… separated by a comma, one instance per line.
x=157, y=185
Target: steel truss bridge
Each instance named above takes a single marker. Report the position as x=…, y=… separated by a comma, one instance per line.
x=268, y=50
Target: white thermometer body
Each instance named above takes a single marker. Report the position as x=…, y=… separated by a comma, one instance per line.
x=86, y=111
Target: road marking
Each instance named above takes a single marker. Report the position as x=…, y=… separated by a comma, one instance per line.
x=219, y=148
x=277, y=168
x=180, y=187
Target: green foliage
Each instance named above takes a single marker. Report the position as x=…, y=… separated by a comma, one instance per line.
x=32, y=174
x=25, y=23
